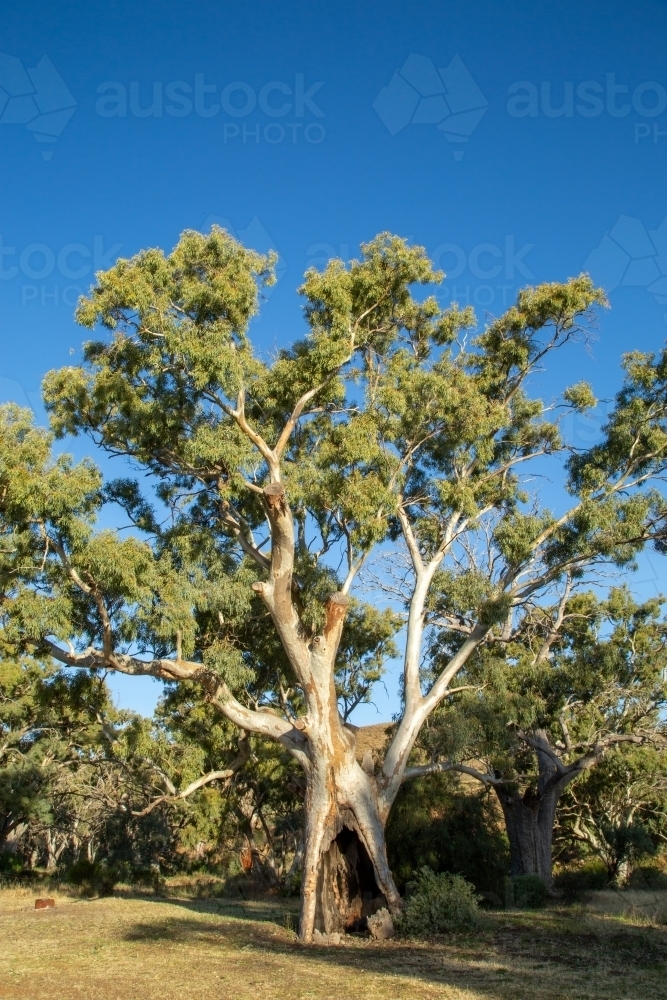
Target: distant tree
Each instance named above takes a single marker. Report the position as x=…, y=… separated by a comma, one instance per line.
x=277, y=479
x=618, y=811
x=547, y=703
x=254, y=802
x=57, y=783
x=22, y=779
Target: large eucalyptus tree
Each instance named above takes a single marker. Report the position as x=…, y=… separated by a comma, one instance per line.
x=276, y=480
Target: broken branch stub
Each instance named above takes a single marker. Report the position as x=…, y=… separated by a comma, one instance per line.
x=274, y=495
x=336, y=609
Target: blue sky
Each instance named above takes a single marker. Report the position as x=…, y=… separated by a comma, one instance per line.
x=518, y=142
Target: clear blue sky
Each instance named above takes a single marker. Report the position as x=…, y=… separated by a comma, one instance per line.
x=517, y=141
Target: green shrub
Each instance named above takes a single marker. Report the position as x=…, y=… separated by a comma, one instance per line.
x=292, y=884
x=98, y=878
x=529, y=891
x=437, y=904
x=588, y=877
x=647, y=877
x=10, y=863
x=93, y=878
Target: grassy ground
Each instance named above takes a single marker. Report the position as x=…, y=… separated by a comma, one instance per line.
x=131, y=948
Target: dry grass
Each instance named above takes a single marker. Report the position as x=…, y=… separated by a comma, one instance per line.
x=638, y=906
x=131, y=948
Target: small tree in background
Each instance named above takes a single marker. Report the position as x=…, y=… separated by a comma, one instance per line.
x=275, y=482
x=618, y=811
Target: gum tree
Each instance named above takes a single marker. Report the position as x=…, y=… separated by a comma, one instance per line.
x=276, y=480
x=617, y=812
x=548, y=704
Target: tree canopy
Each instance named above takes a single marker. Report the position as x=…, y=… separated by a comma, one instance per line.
x=392, y=422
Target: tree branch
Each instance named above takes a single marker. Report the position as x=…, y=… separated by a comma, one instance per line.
x=206, y=779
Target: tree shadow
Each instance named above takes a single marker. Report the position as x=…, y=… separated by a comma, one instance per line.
x=513, y=954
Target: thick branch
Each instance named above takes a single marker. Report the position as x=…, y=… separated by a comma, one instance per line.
x=263, y=723
x=442, y=766
x=277, y=592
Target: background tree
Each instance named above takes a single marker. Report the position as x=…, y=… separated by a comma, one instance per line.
x=57, y=782
x=252, y=803
x=618, y=811
x=276, y=480
x=549, y=702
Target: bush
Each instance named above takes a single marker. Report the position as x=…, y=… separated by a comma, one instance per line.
x=292, y=884
x=647, y=877
x=10, y=863
x=576, y=882
x=529, y=891
x=437, y=904
x=93, y=878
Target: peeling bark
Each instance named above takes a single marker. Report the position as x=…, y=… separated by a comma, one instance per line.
x=340, y=795
x=344, y=834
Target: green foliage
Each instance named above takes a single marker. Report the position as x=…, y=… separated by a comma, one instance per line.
x=580, y=397
x=604, y=676
x=438, y=904
x=10, y=863
x=99, y=878
x=529, y=891
x=648, y=875
x=626, y=842
x=54, y=763
x=93, y=878
x=432, y=823
x=577, y=879
x=617, y=813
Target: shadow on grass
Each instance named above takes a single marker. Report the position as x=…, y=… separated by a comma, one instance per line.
x=555, y=946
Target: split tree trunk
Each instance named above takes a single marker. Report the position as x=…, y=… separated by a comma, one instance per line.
x=346, y=875
x=345, y=868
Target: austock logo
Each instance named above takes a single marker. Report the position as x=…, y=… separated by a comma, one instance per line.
x=591, y=99
x=272, y=105
x=37, y=98
x=57, y=276
x=629, y=256
x=420, y=94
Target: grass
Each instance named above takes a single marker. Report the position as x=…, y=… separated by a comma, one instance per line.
x=148, y=948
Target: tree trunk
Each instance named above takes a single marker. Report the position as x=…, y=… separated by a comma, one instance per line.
x=530, y=818
x=344, y=829
x=10, y=836
x=529, y=821
x=346, y=875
